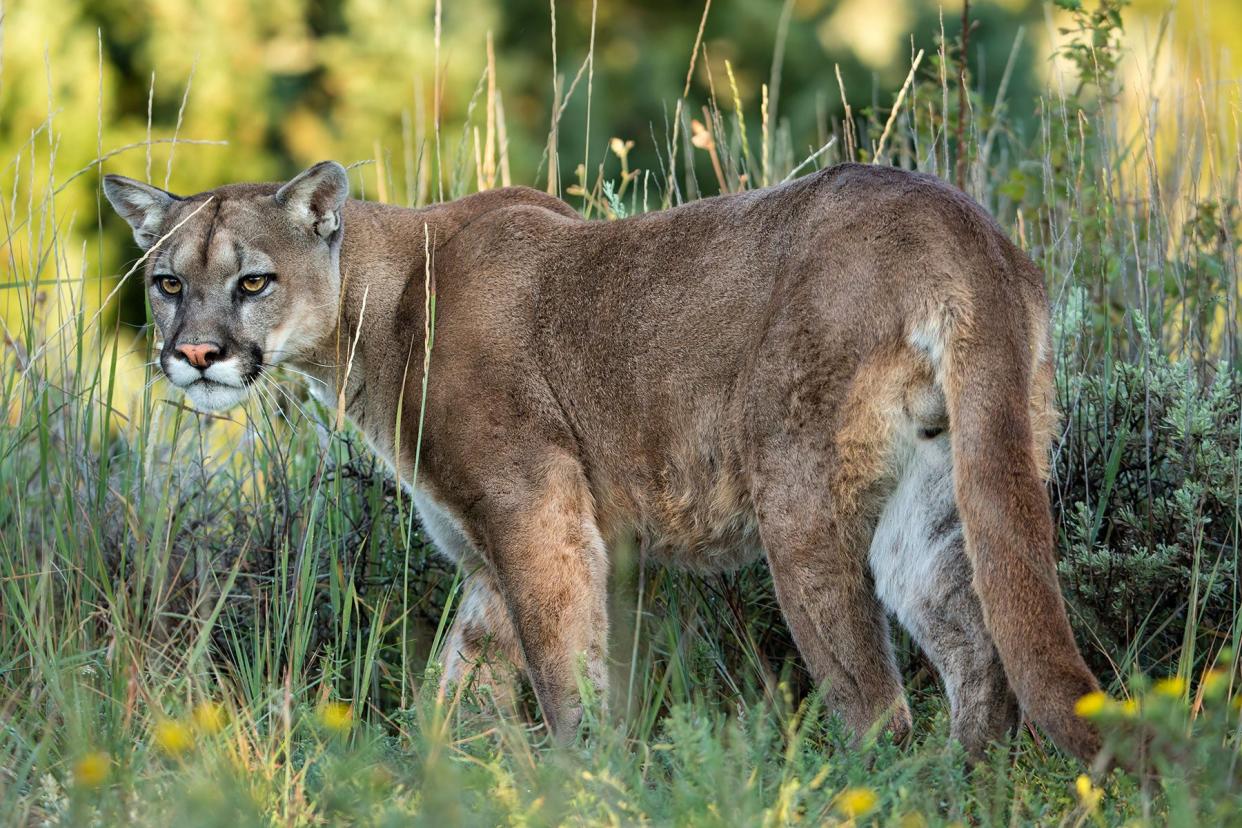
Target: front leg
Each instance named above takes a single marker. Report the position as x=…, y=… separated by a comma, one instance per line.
x=482, y=649
x=551, y=568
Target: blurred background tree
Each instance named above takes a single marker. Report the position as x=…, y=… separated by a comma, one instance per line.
x=289, y=82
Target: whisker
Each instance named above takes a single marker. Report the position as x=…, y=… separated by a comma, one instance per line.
x=272, y=409
x=264, y=395
x=282, y=351
x=264, y=401
x=273, y=384
x=256, y=421
x=302, y=374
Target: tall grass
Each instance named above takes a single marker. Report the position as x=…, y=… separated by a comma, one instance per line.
x=234, y=619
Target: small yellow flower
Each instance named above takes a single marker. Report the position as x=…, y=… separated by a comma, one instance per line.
x=92, y=769
x=172, y=737
x=1092, y=704
x=1173, y=687
x=1215, y=683
x=336, y=716
x=1130, y=708
x=1089, y=795
x=912, y=819
x=209, y=717
x=855, y=802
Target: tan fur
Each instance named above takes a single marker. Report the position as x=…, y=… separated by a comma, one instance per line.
x=770, y=373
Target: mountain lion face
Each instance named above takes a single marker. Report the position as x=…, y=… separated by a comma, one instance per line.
x=240, y=278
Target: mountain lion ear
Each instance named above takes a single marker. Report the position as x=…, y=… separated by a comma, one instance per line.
x=314, y=199
x=142, y=205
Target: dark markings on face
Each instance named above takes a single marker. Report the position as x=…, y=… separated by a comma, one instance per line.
x=211, y=229
x=173, y=337
x=256, y=363
x=257, y=233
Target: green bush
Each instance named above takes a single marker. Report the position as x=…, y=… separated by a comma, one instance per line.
x=1146, y=483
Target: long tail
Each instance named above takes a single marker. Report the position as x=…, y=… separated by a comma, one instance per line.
x=988, y=366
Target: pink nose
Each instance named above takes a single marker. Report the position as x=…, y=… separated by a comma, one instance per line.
x=200, y=355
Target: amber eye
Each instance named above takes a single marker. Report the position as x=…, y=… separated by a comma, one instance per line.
x=168, y=285
x=254, y=283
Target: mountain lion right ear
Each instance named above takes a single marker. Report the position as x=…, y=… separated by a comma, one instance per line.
x=314, y=199
x=142, y=205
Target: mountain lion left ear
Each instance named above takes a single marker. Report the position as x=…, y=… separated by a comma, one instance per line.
x=314, y=199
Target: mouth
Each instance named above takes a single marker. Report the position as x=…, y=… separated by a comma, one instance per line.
x=205, y=384
x=210, y=383
x=210, y=395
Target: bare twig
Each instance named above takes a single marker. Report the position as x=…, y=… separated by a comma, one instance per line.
x=892, y=116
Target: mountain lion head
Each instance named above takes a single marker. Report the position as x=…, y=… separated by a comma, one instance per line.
x=240, y=278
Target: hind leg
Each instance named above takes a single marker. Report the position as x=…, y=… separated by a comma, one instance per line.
x=826, y=594
x=819, y=466
x=923, y=576
x=948, y=624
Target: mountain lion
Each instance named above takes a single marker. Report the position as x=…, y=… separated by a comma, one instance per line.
x=848, y=375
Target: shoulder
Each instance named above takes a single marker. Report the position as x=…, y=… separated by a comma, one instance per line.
x=514, y=221
x=510, y=201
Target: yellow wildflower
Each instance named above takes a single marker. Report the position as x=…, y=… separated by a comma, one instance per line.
x=1130, y=708
x=855, y=802
x=172, y=737
x=1215, y=682
x=209, y=717
x=1089, y=795
x=912, y=819
x=336, y=716
x=1173, y=687
x=1092, y=704
x=92, y=769
x=785, y=808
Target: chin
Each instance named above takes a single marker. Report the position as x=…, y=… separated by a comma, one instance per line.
x=215, y=396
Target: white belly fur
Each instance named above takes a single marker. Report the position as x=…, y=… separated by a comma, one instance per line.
x=907, y=550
